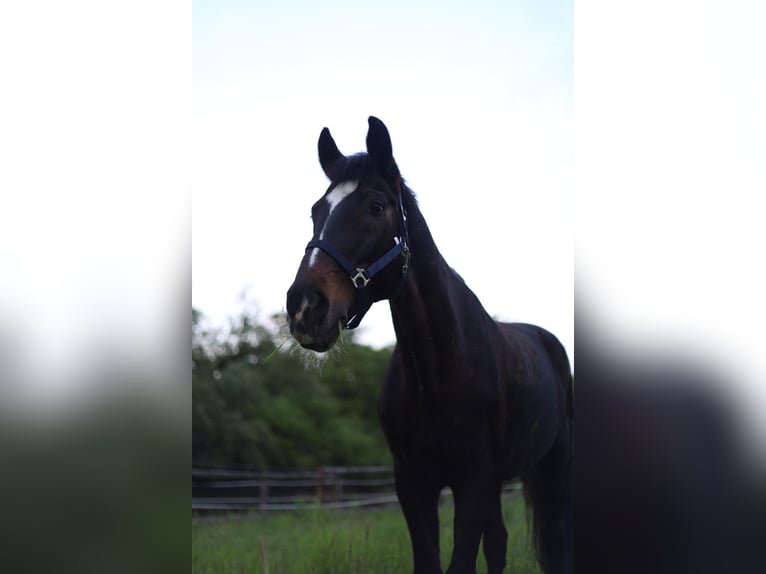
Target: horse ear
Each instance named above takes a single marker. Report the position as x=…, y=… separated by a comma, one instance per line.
x=379, y=147
x=329, y=154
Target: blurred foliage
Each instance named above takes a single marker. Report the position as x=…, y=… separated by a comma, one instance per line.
x=257, y=402
x=102, y=488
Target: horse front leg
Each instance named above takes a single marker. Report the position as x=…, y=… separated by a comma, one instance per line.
x=419, y=500
x=495, y=534
x=473, y=502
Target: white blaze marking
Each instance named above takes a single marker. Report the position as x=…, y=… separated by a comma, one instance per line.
x=338, y=194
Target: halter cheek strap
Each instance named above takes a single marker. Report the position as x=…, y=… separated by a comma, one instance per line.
x=361, y=277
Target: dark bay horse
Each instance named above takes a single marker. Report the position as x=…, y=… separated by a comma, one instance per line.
x=467, y=402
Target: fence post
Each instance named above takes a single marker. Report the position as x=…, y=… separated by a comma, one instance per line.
x=263, y=490
x=338, y=487
x=320, y=486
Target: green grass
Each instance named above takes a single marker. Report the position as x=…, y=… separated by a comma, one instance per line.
x=329, y=542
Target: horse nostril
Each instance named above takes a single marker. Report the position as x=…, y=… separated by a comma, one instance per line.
x=306, y=306
x=294, y=298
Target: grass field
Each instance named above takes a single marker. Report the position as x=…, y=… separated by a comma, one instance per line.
x=326, y=541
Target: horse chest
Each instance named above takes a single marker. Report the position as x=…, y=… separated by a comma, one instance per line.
x=441, y=440
x=438, y=426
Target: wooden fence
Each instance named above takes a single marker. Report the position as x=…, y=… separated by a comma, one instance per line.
x=222, y=490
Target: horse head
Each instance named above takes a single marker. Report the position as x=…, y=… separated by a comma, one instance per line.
x=359, y=236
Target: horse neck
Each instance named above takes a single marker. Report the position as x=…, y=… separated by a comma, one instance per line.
x=434, y=308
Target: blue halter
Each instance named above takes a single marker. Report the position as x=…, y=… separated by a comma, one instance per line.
x=359, y=276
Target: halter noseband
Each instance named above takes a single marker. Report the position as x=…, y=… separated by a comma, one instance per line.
x=359, y=276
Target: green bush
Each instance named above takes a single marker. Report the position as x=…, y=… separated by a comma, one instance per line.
x=255, y=402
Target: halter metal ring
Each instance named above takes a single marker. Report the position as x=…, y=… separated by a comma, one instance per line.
x=361, y=274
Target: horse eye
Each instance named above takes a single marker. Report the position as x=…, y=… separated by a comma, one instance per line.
x=377, y=207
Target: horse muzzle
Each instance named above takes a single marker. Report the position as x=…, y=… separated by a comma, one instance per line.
x=312, y=317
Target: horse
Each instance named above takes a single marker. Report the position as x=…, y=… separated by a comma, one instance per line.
x=467, y=402
x=664, y=485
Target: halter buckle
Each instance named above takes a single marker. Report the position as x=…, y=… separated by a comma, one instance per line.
x=361, y=274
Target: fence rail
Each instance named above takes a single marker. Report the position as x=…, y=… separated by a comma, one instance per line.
x=227, y=490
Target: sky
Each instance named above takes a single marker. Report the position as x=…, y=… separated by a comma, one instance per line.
x=477, y=98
